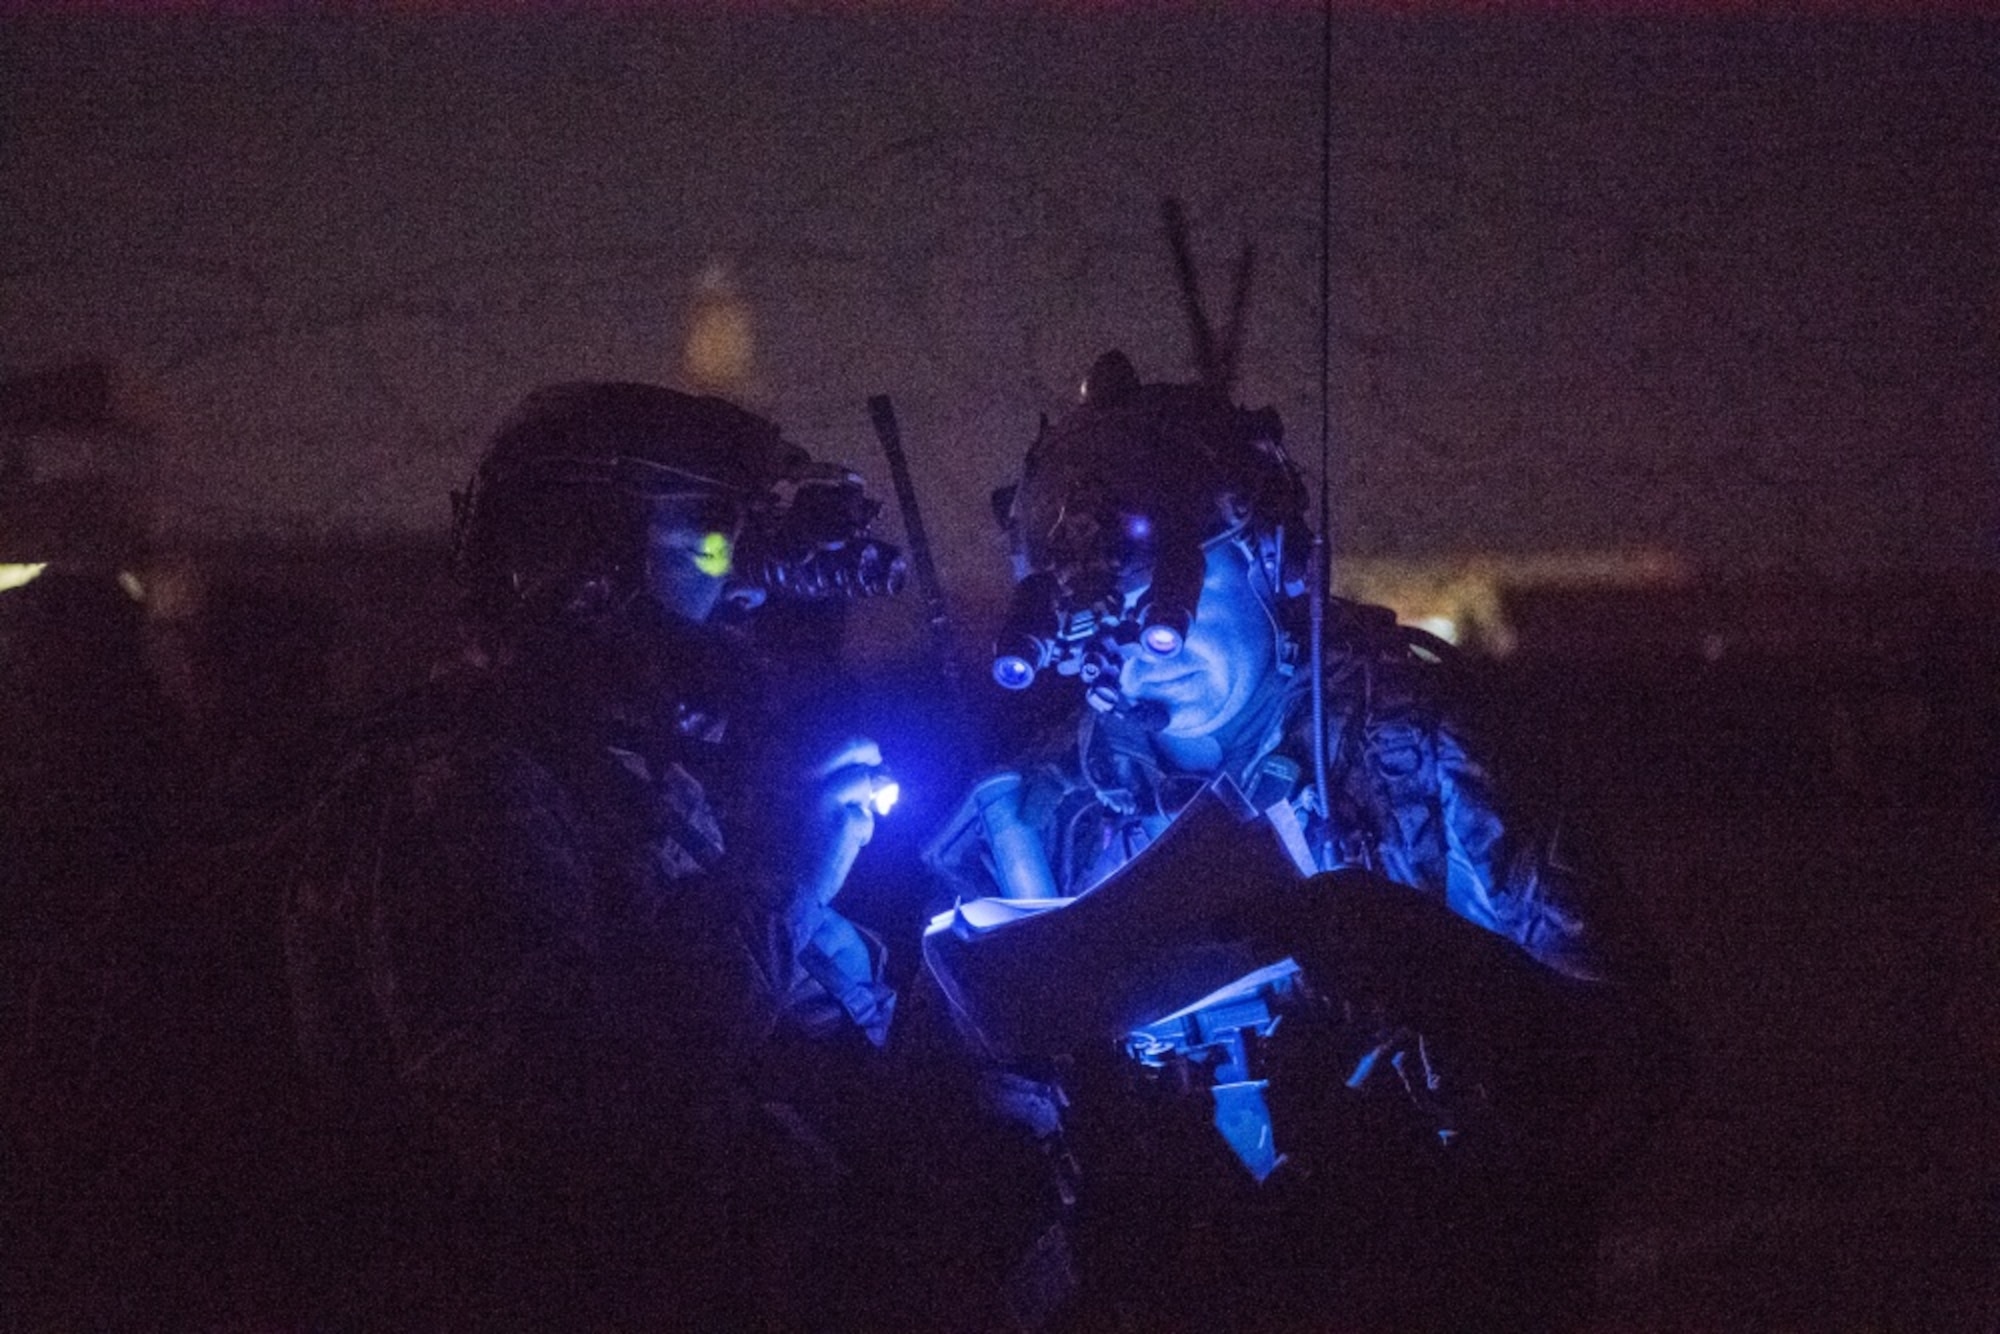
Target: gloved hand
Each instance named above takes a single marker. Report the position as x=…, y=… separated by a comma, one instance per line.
x=839, y=819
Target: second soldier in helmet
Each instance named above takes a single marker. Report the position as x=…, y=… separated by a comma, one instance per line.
x=546, y=929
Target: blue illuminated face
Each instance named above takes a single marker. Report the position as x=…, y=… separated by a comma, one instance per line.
x=1232, y=647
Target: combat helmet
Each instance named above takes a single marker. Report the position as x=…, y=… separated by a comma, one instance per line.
x=1119, y=499
x=553, y=527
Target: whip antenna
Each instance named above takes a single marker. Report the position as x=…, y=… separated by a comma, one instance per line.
x=1322, y=546
x=1214, y=359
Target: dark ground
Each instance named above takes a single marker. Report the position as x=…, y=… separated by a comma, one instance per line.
x=1810, y=825
x=1808, y=822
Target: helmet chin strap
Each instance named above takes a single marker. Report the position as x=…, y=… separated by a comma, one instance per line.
x=1286, y=647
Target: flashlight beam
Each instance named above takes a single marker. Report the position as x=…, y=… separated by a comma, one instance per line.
x=883, y=798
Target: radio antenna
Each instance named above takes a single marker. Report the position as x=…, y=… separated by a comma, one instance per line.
x=1322, y=544
x=1215, y=359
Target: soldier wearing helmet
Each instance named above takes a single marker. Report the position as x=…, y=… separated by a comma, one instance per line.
x=552, y=915
x=1417, y=1024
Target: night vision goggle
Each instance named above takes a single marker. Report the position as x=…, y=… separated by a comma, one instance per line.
x=811, y=543
x=805, y=539
x=1151, y=601
x=1040, y=634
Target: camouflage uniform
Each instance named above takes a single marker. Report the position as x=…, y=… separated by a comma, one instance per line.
x=1412, y=798
x=1497, y=1123
x=537, y=969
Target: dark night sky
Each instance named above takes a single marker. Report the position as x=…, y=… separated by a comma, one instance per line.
x=1721, y=287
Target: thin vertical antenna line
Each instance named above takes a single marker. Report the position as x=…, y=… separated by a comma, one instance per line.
x=1322, y=552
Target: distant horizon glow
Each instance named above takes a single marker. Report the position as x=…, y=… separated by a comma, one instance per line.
x=20, y=574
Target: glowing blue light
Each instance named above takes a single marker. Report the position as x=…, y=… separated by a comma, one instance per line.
x=1013, y=672
x=886, y=793
x=1161, y=639
x=1138, y=527
x=1218, y=1030
x=1245, y=1122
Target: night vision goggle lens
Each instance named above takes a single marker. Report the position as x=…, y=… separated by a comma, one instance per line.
x=1163, y=640
x=716, y=555
x=1013, y=672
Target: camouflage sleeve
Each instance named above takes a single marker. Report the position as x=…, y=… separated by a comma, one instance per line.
x=1584, y=1052
x=748, y=956
x=482, y=958
x=761, y=949
x=1508, y=873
